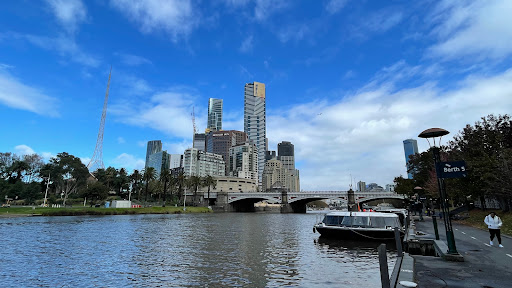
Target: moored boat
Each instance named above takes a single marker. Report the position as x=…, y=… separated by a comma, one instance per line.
x=359, y=225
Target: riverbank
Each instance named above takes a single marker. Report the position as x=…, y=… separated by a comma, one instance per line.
x=76, y=211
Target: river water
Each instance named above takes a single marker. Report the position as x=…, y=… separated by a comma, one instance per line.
x=192, y=250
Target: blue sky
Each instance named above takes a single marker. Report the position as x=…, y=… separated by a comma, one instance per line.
x=346, y=80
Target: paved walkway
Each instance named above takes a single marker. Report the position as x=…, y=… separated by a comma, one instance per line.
x=483, y=266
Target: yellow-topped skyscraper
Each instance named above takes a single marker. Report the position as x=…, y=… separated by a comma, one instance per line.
x=255, y=120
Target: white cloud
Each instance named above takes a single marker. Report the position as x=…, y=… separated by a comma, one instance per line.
x=478, y=29
x=133, y=60
x=176, y=17
x=377, y=22
x=129, y=162
x=48, y=155
x=69, y=13
x=167, y=111
x=15, y=94
x=362, y=133
x=120, y=140
x=64, y=46
x=266, y=8
x=334, y=6
x=177, y=147
x=23, y=150
x=247, y=44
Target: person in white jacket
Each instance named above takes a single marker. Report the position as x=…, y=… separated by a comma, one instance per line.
x=494, y=224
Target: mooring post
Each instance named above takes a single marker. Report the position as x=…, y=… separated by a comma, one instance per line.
x=383, y=263
x=398, y=242
x=434, y=220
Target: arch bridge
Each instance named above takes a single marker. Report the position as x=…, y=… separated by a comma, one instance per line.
x=289, y=201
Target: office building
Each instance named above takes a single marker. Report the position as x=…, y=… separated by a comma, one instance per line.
x=410, y=148
x=200, y=141
x=361, y=186
x=175, y=160
x=285, y=153
x=255, y=120
x=243, y=161
x=214, y=114
x=277, y=176
x=202, y=164
x=269, y=155
x=159, y=161
x=219, y=142
x=153, y=147
x=390, y=187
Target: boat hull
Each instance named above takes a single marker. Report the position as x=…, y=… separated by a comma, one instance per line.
x=358, y=234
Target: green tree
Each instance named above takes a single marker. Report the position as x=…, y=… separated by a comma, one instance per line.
x=122, y=181
x=181, y=181
x=68, y=173
x=149, y=174
x=193, y=183
x=111, y=174
x=486, y=148
x=95, y=192
x=209, y=182
x=165, y=177
x=404, y=186
x=135, y=178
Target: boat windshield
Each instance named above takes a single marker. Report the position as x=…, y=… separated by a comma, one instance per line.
x=383, y=222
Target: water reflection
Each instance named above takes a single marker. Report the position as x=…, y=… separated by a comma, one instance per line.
x=206, y=250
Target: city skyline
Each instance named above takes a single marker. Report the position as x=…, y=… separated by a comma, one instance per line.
x=346, y=81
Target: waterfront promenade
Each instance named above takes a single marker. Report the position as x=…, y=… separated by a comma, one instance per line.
x=483, y=266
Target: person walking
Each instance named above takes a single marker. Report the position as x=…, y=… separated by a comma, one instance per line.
x=494, y=223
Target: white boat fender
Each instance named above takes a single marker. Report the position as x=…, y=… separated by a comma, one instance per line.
x=408, y=284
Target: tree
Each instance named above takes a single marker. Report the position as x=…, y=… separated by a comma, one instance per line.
x=111, y=174
x=486, y=149
x=96, y=192
x=404, y=186
x=181, y=180
x=149, y=174
x=209, y=181
x=34, y=163
x=193, y=183
x=165, y=177
x=122, y=181
x=68, y=173
x=136, y=177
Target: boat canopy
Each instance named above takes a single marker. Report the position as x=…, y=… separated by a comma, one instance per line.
x=362, y=220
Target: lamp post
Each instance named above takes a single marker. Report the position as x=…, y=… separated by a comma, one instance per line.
x=434, y=133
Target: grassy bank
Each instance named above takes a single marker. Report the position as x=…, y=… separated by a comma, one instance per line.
x=75, y=211
x=477, y=216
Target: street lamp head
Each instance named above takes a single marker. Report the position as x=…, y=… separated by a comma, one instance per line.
x=433, y=133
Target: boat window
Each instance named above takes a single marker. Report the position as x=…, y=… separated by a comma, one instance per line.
x=333, y=220
x=347, y=221
x=382, y=222
x=360, y=221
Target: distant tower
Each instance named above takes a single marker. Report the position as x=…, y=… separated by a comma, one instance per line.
x=154, y=146
x=214, y=114
x=410, y=148
x=255, y=120
x=97, y=158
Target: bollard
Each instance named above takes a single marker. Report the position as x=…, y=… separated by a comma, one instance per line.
x=398, y=242
x=434, y=220
x=383, y=263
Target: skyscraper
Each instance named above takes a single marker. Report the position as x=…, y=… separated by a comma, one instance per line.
x=255, y=120
x=219, y=142
x=214, y=114
x=410, y=148
x=285, y=153
x=154, y=146
x=199, y=141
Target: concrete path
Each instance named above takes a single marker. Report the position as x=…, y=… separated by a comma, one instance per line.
x=483, y=266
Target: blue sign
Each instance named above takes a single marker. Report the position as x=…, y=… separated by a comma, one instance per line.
x=454, y=169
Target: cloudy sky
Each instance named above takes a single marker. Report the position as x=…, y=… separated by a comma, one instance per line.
x=347, y=81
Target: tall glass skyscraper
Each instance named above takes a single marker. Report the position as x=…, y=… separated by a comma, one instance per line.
x=214, y=114
x=255, y=120
x=154, y=146
x=410, y=148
